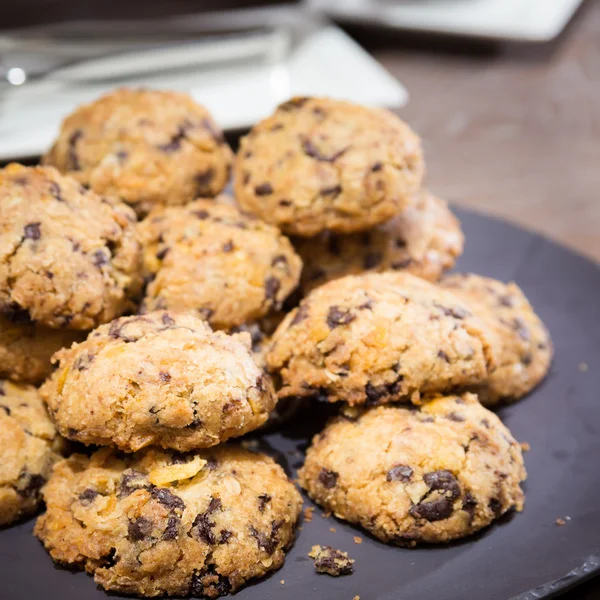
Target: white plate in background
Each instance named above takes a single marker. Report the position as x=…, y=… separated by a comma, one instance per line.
x=326, y=62
x=518, y=20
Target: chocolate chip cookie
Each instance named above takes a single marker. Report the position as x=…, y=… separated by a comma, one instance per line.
x=26, y=349
x=320, y=164
x=432, y=474
x=147, y=147
x=521, y=342
x=163, y=523
x=68, y=257
x=29, y=446
x=161, y=379
x=377, y=338
x=209, y=258
x=424, y=239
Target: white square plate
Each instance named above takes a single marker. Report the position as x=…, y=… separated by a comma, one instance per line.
x=326, y=62
x=519, y=20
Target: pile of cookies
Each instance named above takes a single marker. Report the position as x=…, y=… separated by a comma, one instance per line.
x=146, y=318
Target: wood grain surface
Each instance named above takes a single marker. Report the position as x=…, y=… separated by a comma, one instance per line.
x=511, y=130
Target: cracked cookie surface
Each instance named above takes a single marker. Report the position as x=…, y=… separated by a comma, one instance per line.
x=425, y=239
x=377, y=338
x=29, y=446
x=146, y=146
x=319, y=164
x=26, y=349
x=208, y=257
x=521, y=342
x=432, y=474
x=68, y=257
x=163, y=523
x=161, y=379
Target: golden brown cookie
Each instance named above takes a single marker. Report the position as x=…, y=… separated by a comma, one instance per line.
x=68, y=257
x=432, y=474
x=26, y=349
x=425, y=239
x=377, y=338
x=146, y=146
x=161, y=379
x=29, y=446
x=521, y=341
x=319, y=164
x=209, y=258
x=162, y=523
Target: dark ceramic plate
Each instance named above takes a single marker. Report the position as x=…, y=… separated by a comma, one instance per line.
x=525, y=556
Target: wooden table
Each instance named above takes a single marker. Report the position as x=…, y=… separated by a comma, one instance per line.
x=509, y=129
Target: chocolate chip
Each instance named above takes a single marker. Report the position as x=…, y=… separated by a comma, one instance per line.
x=453, y=311
x=280, y=259
x=167, y=498
x=201, y=214
x=328, y=478
x=301, y=315
x=527, y=359
x=267, y=543
x=55, y=191
x=205, y=313
x=334, y=190
x=485, y=423
x=506, y=300
x=495, y=506
x=272, y=285
x=376, y=393
x=263, y=500
x=311, y=150
x=175, y=142
x=224, y=536
x=164, y=376
x=333, y=562
x=402, y=264
x=337, y=317
x=212, y=463
x=161, y=254
x=209, y=583
x=372, y=259
x=437, y=510
x=3, y=407
x=456, y=417
x=30, y=484
x=168, y=320
x=285, y=202
x=521, y=328
x=376, y=166
x=264, y=189
x=139, y=529
x=32, y=231
x=100, y=258
x=443, y=480
x=399, y=473
x=441, y=354
x=202, y=525
x=469, y=504
x=172, y=529
x=122, y=155
x=73, y=158
x=87, y=496
x=131, y=481
x=203, y=181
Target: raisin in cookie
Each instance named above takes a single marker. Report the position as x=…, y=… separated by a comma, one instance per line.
x=521, y=342
x=208, y=257
x=29, y=446
x=146, y=146
x=432, y=475
x=162, y=523
x=319, y=164
x=68, y=257
x=376, y=338
x=26, y=349
x=424, y=239
x=160, y=379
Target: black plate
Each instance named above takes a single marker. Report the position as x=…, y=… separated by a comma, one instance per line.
x=527, y=555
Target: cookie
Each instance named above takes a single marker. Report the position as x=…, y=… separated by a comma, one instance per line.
x=521, y=342
x=163, y=523
x=330, y=561
x=424, y=240
x=68, y=257
x=161, y=379
x=432, y=474
x=29, y=446
x=377, y=338
x=320, y=164
x=26, y=349
x=208, y=257
x=147, y=147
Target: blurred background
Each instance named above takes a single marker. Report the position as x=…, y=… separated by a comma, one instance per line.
x=506, y=93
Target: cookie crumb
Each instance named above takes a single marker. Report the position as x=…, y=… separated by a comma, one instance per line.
x=356, y=598
x=560, y=522
x=332, y=529
x=308, y=513
x=583, y=367
x=357, y=539
x=525, y=446
x=331, y=561
x=326, y=514
x=282, y=582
